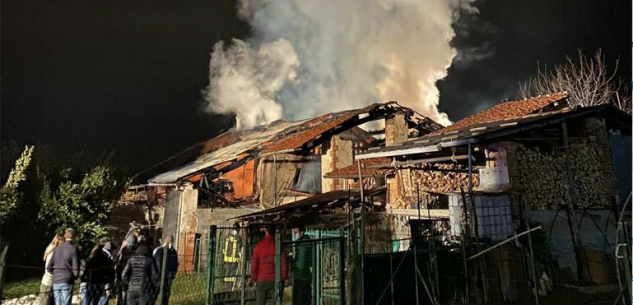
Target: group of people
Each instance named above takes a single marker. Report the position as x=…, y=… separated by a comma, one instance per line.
x=263, y=268
x=132, y=276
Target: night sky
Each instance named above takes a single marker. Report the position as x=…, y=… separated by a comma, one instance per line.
x=127, y=75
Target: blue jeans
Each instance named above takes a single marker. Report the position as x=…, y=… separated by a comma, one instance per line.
x=63, y=293
x=83, y=291
x=103, y=300
x=93, y=294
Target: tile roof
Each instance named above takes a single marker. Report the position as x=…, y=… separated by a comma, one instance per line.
x=484, y=131
x=352, y=170
x=507, y=110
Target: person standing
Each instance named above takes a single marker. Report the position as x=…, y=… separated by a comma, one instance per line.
x=171, y=265
x=46, y=287
x=64, y=266
x=99, y=275
x=263, y=267
x=231, y=257
x=301, y=264
x=140, y=276
x=127, y=249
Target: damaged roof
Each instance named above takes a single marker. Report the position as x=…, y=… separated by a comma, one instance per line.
x=316, y=203
x=241, y=144
x=278, y=137
x=485, y=130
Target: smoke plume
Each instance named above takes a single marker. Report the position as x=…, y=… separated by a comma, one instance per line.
x=311, y=57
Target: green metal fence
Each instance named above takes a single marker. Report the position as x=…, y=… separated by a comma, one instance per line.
x=308, y=271
x=316, y=271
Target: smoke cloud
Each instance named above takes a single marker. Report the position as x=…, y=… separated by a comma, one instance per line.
x=311, y=57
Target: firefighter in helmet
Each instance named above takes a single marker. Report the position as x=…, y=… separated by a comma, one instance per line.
x=231, y=256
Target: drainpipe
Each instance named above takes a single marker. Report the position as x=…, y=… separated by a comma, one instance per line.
x=275, y=180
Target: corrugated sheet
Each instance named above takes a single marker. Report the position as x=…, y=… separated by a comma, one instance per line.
x=248, y=140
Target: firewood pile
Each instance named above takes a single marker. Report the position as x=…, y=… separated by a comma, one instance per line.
x=544, y=177
x=441, y=178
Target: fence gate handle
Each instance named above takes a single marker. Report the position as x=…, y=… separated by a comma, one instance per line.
x=617, y=251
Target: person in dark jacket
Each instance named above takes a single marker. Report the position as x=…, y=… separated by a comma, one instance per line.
x=127, y=249
x=263, y=267
x=64, y=265
x=301, y=264
x=171, y=265
x=99, y=275
x=140, y=277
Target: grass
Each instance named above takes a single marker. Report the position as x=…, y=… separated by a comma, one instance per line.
x=16, y=289
x=21, y=288
x=188, y=289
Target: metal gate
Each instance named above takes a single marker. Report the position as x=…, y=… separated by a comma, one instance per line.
x=317, y=268
x=309, y=271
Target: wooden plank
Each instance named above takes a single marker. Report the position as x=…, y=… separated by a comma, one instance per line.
x=434, y=213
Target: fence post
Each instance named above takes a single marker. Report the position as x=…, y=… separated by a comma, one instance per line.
x=210, y=264
x=163, y=268
x=341, y=269
x=245, y=243
x=3, y=254
x=278, y=280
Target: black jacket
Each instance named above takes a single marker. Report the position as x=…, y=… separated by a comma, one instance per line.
x=99, y=269
x=171, y=265
x=122, y=257
x=140, y=272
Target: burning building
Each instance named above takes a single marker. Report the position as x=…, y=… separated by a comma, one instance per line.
x=464, y=192
x=270, y=166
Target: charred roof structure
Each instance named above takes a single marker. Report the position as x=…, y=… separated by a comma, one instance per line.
x=276, y=170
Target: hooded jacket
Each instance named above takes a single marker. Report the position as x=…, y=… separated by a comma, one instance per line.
x=263, y=261
x=172, y=259
x=99, y=269
x=140, y=272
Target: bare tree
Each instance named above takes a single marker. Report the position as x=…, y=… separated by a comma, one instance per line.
x=586, y=80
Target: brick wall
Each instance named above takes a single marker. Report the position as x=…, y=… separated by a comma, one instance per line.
x=338, y=153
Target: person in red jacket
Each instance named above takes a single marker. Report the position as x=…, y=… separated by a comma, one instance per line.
x=263, y=267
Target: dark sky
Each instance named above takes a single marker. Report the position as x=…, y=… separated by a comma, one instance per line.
x=127, y=75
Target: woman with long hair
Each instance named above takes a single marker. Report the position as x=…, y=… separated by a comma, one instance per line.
x=46, y=287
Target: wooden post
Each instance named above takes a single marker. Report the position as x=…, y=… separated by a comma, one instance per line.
x=341, y=270
x=362, y=235
x=391, y=269
x=533, y=269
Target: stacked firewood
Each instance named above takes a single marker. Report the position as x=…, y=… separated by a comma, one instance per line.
x=441, y=178
x=544, y=177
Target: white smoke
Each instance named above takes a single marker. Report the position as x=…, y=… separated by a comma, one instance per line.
x=311, y=57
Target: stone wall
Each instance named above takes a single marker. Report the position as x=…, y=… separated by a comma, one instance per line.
x=286, y=166
x=396, y=129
